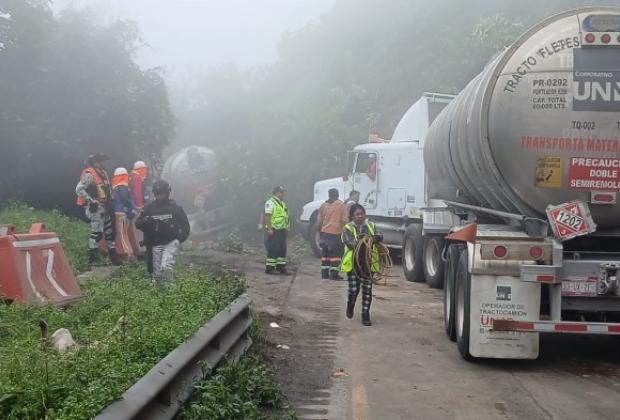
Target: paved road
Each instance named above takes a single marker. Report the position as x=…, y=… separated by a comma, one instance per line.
x=404, y=367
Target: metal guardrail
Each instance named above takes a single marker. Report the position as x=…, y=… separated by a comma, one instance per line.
x=162, y=391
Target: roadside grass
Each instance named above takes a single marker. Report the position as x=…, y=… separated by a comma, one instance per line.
x=242, y=390
x=123, y=327
x=73, y=233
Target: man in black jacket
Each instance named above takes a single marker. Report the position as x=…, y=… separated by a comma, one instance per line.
x=165, y=227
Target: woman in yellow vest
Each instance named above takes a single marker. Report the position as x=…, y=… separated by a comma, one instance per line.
x=357, y=228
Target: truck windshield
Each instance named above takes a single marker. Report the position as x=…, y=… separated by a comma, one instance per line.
x=365, y=162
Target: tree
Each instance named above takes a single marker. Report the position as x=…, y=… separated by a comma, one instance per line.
x=69, y=88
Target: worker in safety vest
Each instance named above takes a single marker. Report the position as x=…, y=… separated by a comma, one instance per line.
x=137, y=184
x=124, y=212
x=94, y=194
x=277, y=224
x=359, y=272
x=332, y=218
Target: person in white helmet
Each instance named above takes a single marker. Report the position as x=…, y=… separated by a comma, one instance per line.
x=137, y=185
x=124, y=209
x=137, y=182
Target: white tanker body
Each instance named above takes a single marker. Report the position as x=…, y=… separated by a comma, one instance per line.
x=528, y=156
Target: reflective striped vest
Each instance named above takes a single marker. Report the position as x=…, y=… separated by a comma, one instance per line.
x=347, y=259
x=279, y=217
x=101, y=191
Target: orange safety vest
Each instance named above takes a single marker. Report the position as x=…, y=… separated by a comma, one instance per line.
x=102, y=185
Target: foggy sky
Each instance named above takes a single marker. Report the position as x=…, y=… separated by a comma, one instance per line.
x=191, y=35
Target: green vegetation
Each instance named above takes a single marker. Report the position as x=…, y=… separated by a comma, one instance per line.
x=237, y=391
x=230, y=241
x=73, y=233
x=123, y=327
x=70, y=87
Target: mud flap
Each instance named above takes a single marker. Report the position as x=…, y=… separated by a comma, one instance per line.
x=502, y=297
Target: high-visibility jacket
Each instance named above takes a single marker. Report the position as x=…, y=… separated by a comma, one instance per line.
x=279, y=217
x=136, y=183
x=101, y=188
x=347, y=258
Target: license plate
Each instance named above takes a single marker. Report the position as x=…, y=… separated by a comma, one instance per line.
x=579, y=288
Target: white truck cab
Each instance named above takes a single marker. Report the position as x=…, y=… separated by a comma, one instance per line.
x=389, y=174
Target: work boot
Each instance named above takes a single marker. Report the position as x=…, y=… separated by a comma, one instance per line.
x=366, y=319
x=114, y=258
x=269, y=270
x=334, y=275
x=350, y=309
x=325, y=273
x=93, y=256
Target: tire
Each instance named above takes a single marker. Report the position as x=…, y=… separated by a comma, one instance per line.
x=462, y=298
x=433, y=265
x=395, y=254
x=313, y=237
x=412, y=254
x=453, y=254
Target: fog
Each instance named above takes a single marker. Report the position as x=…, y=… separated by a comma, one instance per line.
x=211, y=32
x=279, y=90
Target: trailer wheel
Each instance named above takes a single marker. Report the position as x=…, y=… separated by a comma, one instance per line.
x=462, y=297
x=433, y=265
x=412, y=253
x=453, y=254
x=314, y=237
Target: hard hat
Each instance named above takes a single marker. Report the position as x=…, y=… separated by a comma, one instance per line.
x=139, y=164
x=161, y=187
x=120, y=171
x=278, y=189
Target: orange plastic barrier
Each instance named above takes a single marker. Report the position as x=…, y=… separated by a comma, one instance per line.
x=33, y=268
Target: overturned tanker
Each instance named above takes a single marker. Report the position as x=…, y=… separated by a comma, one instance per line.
x=523, y=173
x=192, y=173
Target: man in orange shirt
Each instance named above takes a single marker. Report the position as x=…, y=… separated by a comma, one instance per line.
x=332, y=218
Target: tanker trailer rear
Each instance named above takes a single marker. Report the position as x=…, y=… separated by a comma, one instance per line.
x=526, y=161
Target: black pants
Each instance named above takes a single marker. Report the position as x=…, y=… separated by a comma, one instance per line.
x=276, y=250
x=331, y=252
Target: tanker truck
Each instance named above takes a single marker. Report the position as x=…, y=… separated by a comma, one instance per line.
x=192, y=173
x=523, y=167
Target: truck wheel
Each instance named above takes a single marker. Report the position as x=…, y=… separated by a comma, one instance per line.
x=395, y=254
x=412, y=253
x=462, y=295
x=433, y=265
x=454, y=252
x=313, y=237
